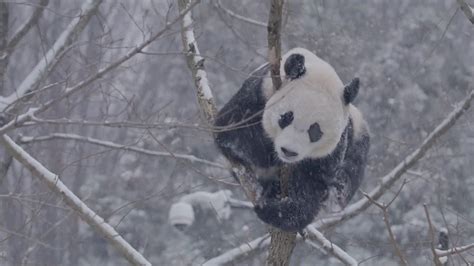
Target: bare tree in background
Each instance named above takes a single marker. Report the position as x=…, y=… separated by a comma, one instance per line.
x=102, y=131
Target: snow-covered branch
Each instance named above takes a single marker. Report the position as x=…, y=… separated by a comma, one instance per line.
x=51, y=58
x=86, y=214
x=452, y=251
x=109, y=144
x=196, y=65
x=241, y=251
x=394, y=175
x=218, y=5
x=83, y=84
x=330, y=247
x=247, y=179
x=263, y=242
x=467, y=9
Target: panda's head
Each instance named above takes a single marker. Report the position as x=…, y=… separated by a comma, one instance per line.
x=306, y=117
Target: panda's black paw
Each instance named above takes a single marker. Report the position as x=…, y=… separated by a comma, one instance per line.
x=267, y=209
x=270, y=189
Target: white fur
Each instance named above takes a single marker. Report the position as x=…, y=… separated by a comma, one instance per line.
x=267, y=87
x=315, y=97
x=359, y=125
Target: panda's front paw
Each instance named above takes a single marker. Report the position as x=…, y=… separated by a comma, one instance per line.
x=266, y=209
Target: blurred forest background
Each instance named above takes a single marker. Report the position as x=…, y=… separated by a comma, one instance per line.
x=415, y=60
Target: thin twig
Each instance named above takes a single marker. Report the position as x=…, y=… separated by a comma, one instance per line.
x=384, y=208
x=432, y=237
x=218, y=5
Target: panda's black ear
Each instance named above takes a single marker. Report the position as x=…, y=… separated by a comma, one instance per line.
x=351, y=90
x=294, y=66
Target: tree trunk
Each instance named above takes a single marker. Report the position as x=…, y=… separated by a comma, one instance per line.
x=281, y=247
x=282, y=243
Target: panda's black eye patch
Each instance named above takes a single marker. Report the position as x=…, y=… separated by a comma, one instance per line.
x=285, y=119
x=315, y=132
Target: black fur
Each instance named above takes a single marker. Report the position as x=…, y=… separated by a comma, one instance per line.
x=239, y=126
x=350, y=174
x=309, y=183
x=351, y=90
x=294, y=66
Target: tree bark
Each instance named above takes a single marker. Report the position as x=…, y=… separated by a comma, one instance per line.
x=282, y=243
x=281, y=247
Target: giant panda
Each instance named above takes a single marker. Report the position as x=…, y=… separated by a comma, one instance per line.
x=310, y=125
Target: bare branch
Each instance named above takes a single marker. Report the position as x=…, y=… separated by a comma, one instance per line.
x=118, y=124
x=432, y=237
x=274, y=42
x=25, y=28
x=51, y=58
x=330, y=247
x=109, y=144
x=384, y=209
x=388, y=180
x=218, y=5
x=467, y=9
x=86, y=214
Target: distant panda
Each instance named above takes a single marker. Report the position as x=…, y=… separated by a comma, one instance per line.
x=308, y=124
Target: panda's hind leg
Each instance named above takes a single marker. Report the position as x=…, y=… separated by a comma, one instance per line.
x=295, y=212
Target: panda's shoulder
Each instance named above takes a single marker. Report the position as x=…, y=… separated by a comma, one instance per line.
x=259, y=82
x=252, y=90
x=359, y=125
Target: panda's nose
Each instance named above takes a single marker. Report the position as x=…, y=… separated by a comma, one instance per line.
x=288, y=153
